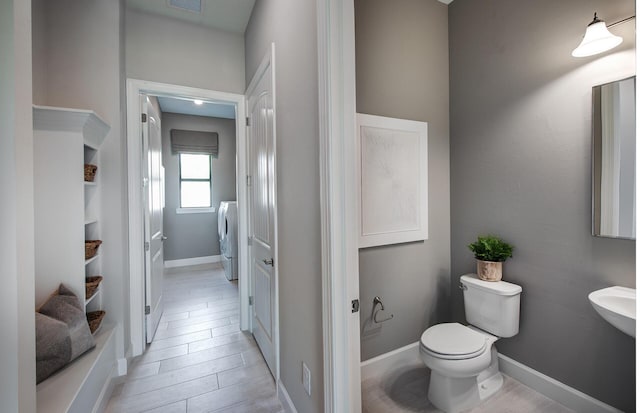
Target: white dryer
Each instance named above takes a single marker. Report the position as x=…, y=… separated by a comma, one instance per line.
x=228, y=234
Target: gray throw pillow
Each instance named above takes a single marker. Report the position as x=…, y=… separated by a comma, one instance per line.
x=53, y=346
x=65, y=308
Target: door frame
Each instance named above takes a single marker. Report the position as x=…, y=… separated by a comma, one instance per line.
x=269, y=60
x=135, y=87
x=338, y=197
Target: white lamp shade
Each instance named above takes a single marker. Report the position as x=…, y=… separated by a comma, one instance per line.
x=597, y=39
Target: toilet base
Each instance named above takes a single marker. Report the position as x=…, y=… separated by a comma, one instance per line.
x=453, y=395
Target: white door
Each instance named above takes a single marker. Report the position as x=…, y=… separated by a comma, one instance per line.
x=153, y=201
x=262, y=209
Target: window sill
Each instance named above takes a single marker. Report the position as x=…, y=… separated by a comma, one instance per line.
x=195, y=210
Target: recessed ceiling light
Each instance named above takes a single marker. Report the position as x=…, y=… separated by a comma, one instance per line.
x=198, y=102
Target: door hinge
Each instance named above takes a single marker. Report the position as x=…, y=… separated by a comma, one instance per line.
x=248, y=180
x=147, y=310
x=249, y=241
x=355, y=306
x=146, y=246
x=247, y=121
x=144, y=118
x=251, y=300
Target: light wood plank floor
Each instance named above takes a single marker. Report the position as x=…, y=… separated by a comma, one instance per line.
x=199, y=361
x=405, y=390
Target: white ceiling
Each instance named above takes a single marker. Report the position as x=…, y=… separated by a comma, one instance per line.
x=228, y=15
x=187, y=107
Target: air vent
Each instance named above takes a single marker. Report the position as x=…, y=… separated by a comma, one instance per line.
x=193, y=6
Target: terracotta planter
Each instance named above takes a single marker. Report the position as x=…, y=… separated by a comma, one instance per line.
x=489, y=270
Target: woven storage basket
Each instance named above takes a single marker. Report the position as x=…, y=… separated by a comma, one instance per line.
x=89, y=172
x=91, y=286
x=91, y=248
x=94, y=318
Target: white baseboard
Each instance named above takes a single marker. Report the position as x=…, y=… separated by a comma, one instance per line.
x=122, y=366
x=285, y=400
x=545, y=385
x=192, y=261
x=107, y=391
x=552, y=388
x=375, y=367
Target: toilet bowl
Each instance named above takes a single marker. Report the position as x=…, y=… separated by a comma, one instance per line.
x=463, y=359
x=463, y=363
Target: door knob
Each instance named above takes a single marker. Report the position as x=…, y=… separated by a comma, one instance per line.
x=268, y=262
x=164, y=238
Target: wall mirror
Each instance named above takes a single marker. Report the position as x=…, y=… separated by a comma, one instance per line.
x=614, y=151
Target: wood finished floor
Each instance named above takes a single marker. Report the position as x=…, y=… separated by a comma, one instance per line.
x=199, y=361
x=405, y=390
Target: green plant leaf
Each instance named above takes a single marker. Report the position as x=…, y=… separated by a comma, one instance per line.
x=491, y=248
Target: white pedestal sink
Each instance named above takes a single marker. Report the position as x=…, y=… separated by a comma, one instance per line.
x=617, y=305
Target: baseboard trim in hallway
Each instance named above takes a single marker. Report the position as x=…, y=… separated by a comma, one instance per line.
x=193, y=261
x=285, y=400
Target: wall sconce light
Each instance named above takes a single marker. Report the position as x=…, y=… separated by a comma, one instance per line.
x=598, y=38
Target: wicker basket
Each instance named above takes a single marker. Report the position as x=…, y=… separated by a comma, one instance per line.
x=91, y=248
x=94, y=318
x=91, y=286
x=89, y=172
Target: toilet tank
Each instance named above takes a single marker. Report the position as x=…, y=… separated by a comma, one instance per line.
x=492, y=306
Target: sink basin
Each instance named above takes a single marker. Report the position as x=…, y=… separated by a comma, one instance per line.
x=617, y=305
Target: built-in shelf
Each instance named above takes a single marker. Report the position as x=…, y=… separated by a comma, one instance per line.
x=68, y=211
x=92, y=259
x=93, y=297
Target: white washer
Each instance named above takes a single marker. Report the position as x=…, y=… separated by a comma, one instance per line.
x=228, y=230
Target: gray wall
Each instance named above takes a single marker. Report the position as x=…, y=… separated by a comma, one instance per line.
x=196, y=235
x=17, y=376
x=166, y=50
x=402, y=71
x=80, y=50
x=291, y=24
x=520, y=168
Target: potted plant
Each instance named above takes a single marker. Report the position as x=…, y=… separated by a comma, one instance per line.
x=490, y=252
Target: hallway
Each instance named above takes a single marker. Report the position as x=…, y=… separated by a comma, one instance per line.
x=199, y=360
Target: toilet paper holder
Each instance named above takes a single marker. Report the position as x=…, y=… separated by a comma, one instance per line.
x=377, y=301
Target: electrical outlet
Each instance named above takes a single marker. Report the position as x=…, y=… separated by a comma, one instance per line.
x=306, y=378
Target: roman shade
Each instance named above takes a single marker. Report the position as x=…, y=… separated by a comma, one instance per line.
x=188, y=141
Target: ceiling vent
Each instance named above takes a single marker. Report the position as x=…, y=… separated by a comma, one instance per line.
x=193, y=6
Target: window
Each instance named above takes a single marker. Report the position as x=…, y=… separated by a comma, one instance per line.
x=195, y=181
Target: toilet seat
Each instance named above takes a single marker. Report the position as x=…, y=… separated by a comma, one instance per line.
x=453, y=341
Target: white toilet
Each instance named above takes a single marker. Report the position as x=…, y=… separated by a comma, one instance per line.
x=462, y=359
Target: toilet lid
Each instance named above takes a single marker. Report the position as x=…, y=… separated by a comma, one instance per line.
x=453, y=339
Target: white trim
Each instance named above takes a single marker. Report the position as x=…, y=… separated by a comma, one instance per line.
x=285, y=400
x=106, y=392
x=552, y=388
x=185, y=262
x=403, y=356
x=210, y=210
x=136, y=224
x=338, y=205
x=545, y=385
x=122, y=366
